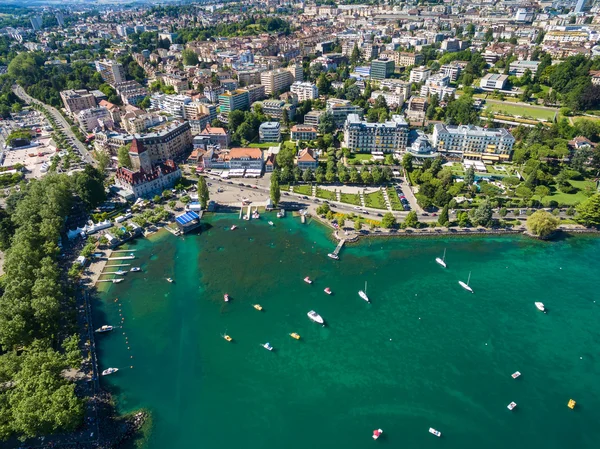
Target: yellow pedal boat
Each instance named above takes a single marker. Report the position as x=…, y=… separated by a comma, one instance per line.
x=295, y=335
x=257, y=306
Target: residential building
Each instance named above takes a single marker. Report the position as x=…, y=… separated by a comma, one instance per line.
x=419, y=74
x=473, y=142
x=307, y=159
x=303, y=132
x=77, y=100
x=405, y=59
x=60, y=18
x=245, y=158
x=453, y=45
x=396, y=86
x=36, y=23
x=382, y=68
x=230, y=101
x=580, y=6
x=416, y=108
x=171, y=104
x=213, y=92
x=277, y=80
x=493, y=81
x=138, y=121
x=269, y=132
x=229, y=84
x=256, y=92
x=197, y=109
x=297, y=72
x=518, y=68
x=313, y=118
x=146, y=179
x=276, y=108
x=216, y=136
x=391, y=98
x=131, y=92
x=89, y=119
x=305, y=90
x=451, y=70
x=248, y=77
x=111, y=71
x=341, y=109
x=438, y=85
x=363, y=137
x=179, y=83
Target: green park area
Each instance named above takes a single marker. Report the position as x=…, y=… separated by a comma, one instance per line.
x=375, y=200
x=394, y=200
x=264, y=145
x=583, y=190
x=303, y=189
x=521, y=111
x=326, y=194
x=358, y=158
x=350, y=198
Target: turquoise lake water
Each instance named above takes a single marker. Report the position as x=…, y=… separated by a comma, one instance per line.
x=425, y=353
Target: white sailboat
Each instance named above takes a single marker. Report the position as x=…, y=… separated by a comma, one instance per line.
x=363, y=294
x=442, y=261
x=466, y=286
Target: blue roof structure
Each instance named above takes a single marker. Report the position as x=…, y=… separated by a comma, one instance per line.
x=187, y=218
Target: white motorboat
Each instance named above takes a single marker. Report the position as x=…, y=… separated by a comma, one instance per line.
x=466, y=286
x=377, y=433
x=314, y=316
x=328, y=290
x=333, y=256
x=540, y=306
x=511, y=406
x=108, y=371
x=116, y=281
x=437, y=433
x=120, y=272
x=307, y=280
x=442, y=261
x=271, y=223
x=170, y=280
x=267, y=346
x=226, y=297
x=279, y=215
x=363, y=294
x=135, y=269
x=515, y=374
x=104, y=328
x=233, y=227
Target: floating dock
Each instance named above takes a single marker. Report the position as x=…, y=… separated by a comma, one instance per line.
x=122, y=258
x=339, y=247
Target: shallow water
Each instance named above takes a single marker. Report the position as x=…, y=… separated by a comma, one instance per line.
x=425, y=353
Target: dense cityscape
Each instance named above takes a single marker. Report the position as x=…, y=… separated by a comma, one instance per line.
x=119, y=122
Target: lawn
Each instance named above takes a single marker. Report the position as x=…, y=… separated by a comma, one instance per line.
x=264, y=145
x=326, y=194
x=375, y=200
x=521, y=110
x=571, y=198
x=394, y=200
x=358, y=158
x=350, y=198
x=303, y=189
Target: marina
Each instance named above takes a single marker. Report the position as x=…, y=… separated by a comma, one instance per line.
x=370, y=364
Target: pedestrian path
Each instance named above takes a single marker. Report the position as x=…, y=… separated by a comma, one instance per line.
x=314, y=190
x=387, y=199
x=362, y=198
x=338, y=195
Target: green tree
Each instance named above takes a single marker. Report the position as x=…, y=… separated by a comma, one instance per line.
x=355, y=55
x=411, y=221
x=357, y=225
x=307, y=176
x=407, y=162
x=470, y=175
x=189, y=57
x=482, y=216
x=354, y=175
x=542, y=223
x=145, y=103
x=388, y=220
x=444, y=219
x=123, y=157
x=542, y=192
x=275, y=191
x=203, y=193
x=588, y=212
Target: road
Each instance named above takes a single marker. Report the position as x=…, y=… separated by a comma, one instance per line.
x=61, y=121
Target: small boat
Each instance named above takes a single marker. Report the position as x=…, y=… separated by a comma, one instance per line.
x=257, y=306
x=315, y=317
x=540, y=306
x=511, y=406
x=271, y=223
x=328, y=291
x=571, y=404
x=227, y=337
x=295, y=335
x=108, y=371
x=226, y=297
x=377, y=433
x=442, y=261
x=105, y=328
x=363, y=294
x=333, y=256
x=279, y=215
x=116, y=281
x=246, y=217
x=170, y=280
x=307, y=280
x=466, y=286
x=515, y=374
x=233, y=227
x=135, y=269
x=268, y=346
x=120, y=272
x=437, y=433
x=256, y=215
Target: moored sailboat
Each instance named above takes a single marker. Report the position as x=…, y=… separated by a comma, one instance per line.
x=466, y=286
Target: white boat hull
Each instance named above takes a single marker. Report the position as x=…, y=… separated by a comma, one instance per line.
x=364, y=296
x=441, y=262
x=315, y=317
x=465, y=286
x=540, y=306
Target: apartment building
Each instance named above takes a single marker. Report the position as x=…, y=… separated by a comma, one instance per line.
x=213, y=92
x=518, y=68
x=313, y=118
x=396, y=86
x=269, y=132
x=304, y=90
x=230, y=101
x=245, y=158
x=89, y=119
x=131, y=92
x=138, y=121
x=307, y=159
x=180, y=83
x=111, y=71
x=419, y=74
x=276, y=108
x=77, y=100
x=276, y=80
x=363, y=137
x=473, y=142
x=405, y=59
x=391, y=98
x=303, y=132
x=216, y=136
x=248, y=77
x=171, y=104
x=256, y=92
x=341, y=109
x=451, y=70
x=438, y=84
x=297, y=72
